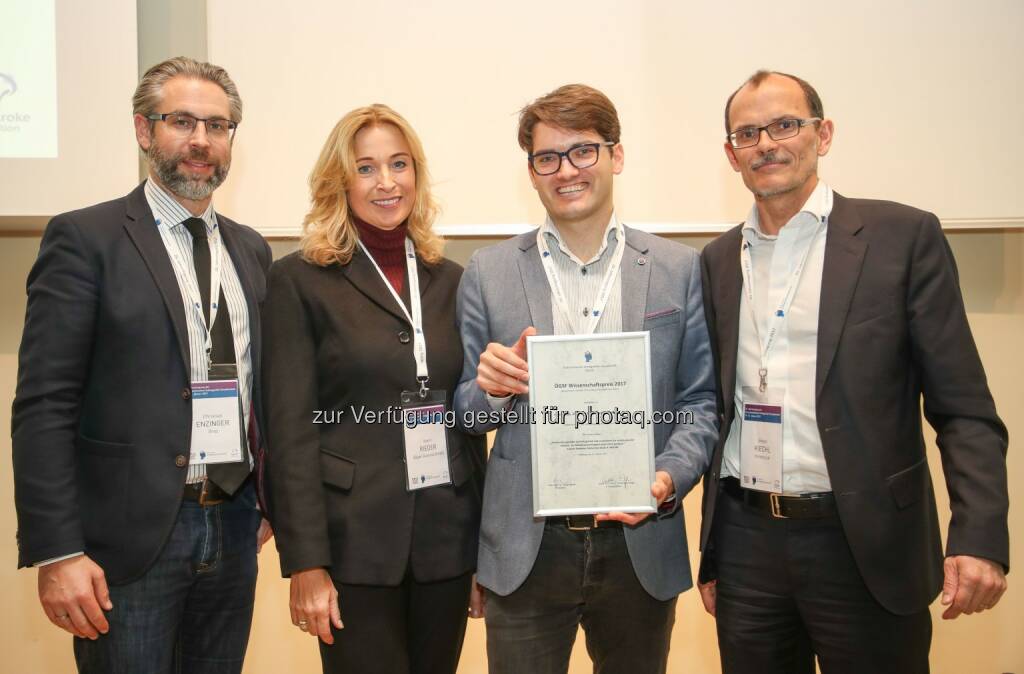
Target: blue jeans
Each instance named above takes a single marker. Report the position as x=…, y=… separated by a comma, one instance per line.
x=191, y=611
x=580, y=578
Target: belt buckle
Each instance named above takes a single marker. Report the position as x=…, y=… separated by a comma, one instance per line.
x=204, y=494
x=773, y=499
x=568, y=523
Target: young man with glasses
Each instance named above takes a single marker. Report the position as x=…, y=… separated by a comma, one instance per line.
x=832, y=319
x=617, y=575
x=135, y=427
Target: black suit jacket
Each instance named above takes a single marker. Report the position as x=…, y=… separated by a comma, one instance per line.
x=336, y=343
x=102, y=414
x=892, y=330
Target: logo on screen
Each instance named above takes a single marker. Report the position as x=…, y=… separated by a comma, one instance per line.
x=7, y=86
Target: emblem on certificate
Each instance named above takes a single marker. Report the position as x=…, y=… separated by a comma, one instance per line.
x=592, y=441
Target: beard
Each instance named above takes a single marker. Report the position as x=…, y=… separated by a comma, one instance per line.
x=180, y=183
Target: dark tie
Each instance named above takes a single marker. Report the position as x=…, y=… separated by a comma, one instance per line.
x=227, y=476
x=223, y=344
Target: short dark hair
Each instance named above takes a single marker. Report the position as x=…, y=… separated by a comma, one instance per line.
x=755, y=80
x=572, y=106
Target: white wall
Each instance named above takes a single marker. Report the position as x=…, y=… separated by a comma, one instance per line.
x=919, y=90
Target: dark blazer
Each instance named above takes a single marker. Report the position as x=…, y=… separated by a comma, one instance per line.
x=102, y=412
x=337, y=343
x=892, y=329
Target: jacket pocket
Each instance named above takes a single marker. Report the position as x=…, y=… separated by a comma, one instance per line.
x=661, y=317
x=103, y=447
x=866, y=312
x=104, y=475
x=336, y=470
x=908, y=486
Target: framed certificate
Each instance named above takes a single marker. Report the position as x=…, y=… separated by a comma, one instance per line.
x=592, y=440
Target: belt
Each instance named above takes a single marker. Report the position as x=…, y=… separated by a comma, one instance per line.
x=205, y=493
x=583, y=522
x=783, y=506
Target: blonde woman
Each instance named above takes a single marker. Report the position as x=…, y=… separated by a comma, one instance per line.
x=380, y=561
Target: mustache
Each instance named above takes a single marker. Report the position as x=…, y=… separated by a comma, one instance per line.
x=199, y=154
x=769, y=158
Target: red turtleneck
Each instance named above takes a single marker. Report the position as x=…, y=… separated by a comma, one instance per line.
x=387, y=246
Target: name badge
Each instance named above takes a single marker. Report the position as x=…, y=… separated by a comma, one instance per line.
x=216, y=422
x=426, y=440
x=761, y=439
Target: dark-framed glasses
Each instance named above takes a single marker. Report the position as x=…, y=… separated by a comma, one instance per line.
x=217, y=128
x=780, y=129
x=581, y=156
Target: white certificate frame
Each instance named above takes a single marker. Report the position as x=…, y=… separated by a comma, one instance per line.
x=634, y=495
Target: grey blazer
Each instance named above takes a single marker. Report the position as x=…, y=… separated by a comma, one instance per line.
x=503, y=291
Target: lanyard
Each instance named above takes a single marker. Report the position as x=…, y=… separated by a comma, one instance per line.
x=191, y=286
x=419, y=343
x=607, y=283
x=778, y=317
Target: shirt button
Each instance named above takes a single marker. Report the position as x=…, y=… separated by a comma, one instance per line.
x=186, y=394
x=403, y=337
x=583, y=270
x=180, y=461
x=586, y=311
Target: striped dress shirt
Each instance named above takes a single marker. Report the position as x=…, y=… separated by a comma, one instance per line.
x=169, y=216
x=581, y=282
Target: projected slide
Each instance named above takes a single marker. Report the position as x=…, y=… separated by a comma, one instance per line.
x=28, y=79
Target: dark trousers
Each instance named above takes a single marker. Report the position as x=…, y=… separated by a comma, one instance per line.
x=790, y=590
x=191, y=611
x=414, y=628
x=580, y=578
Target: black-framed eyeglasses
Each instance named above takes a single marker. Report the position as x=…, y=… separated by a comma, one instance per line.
x=780, y=129
x=581, y=156
x=217, y=128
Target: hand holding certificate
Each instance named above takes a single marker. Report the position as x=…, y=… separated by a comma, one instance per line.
x=592, y=439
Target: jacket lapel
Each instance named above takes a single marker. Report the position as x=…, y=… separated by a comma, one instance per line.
x=361, y=273
x=844, y=256
x=636, y=277
x=727, y=290
x=425, y=273
x=535, y=284
x=142, y=230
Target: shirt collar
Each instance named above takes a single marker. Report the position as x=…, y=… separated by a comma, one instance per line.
x=167, y=212
x=611, y=234
x=816, y=209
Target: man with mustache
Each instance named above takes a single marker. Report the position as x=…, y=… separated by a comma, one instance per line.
x=135, y=422
x=832, y=319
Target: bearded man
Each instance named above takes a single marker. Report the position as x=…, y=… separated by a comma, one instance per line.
x=135, y=424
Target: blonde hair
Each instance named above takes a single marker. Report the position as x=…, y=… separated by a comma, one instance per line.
x=329, y=232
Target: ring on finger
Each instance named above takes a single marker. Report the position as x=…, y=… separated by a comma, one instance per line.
x=63, y=616
x=302, y=624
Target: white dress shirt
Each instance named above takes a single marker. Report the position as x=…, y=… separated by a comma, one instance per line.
x=792, y=362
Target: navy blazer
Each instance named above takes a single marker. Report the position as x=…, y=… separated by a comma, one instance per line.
x=102, y=414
